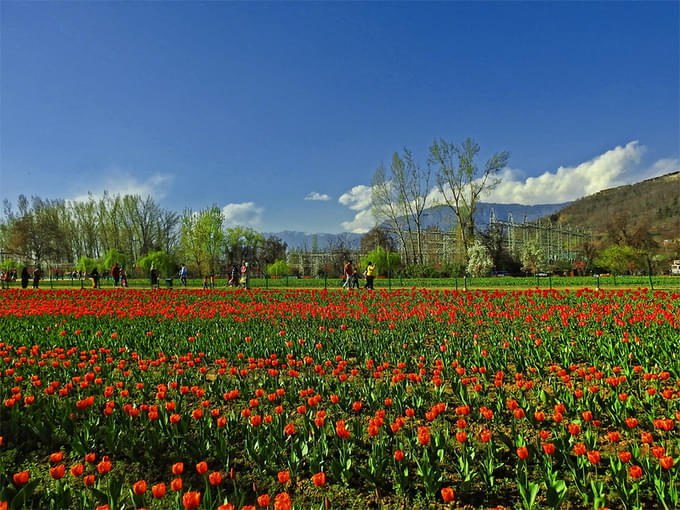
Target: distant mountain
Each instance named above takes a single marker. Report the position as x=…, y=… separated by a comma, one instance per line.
x=434, y=217
x=653, y=205
x=304, y=241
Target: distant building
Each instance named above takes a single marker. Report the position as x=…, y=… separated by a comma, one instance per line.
x=675, y=267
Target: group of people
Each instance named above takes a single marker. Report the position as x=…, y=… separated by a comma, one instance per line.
x=235, y=277
x=351, y=276
x=10, y=275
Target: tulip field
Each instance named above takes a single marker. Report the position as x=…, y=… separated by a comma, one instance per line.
x=311, y=399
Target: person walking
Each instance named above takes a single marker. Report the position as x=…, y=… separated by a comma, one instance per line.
x=370, y=275
x=244, y=275
x=95, y=278
x=123, y=277
x=183, y=275
x=37, y=274
x=153, y=277
x=115, y=272
x=233, y=280
x=24, y=278
x=348, y=274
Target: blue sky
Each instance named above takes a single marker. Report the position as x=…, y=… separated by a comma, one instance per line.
x=280, y=112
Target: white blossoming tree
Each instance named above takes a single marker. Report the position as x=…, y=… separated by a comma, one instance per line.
x=480, y=262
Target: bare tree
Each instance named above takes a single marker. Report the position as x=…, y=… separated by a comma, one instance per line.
x=400, y=201
x=461, y=183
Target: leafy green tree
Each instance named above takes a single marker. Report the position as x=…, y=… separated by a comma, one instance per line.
x=480, y=262
x=278, y=268
x=112, y=256
x=87, y=264
x=462, y=183
x=385, y=261
x=621, y=259
x=9, y=264
x=164, y=262
x=202, y=238
x=242, y=244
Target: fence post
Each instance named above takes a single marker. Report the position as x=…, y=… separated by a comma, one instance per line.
x=550, y=281
x=389, y=279
x=598, y=281
x=538, y=280
x=325, y=281
x=456, y=278
x=614, y=275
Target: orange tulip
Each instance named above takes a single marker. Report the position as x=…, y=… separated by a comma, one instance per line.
x=635, y=471
x=88, y=480
x=283, y=476
x=57, y=457
x=215, y=478
x=522, y=452
x=202, y=467
x=104, y=466
x=21, y=478
x=177, y=468
x=319, y=479
x=282, y=501
x=176, y=484
x=447, y=494
x=191, y=500
x=77, y=469
x=263, y=500
x=139, y=487
x=158, y=490
x=57, y=472
x=423, y=436
x=666, y=462
x=594, y=457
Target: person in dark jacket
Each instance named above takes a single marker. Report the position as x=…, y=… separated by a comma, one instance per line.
x=37, y=274
x=95, y=278
x=24, y=278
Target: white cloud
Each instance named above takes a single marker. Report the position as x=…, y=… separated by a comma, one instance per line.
x=615, y=167
x=662, y=167
x=246, y=214
x=363, y=222
x=358, y=198
x=317, y=196
x=120, y=182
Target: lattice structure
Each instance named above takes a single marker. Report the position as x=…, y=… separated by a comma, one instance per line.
x=557, y=241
